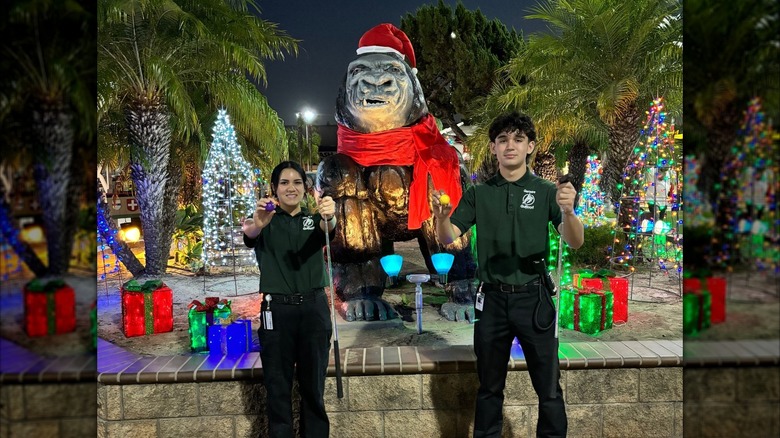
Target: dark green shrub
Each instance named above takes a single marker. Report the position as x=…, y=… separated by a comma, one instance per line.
x=594, y=252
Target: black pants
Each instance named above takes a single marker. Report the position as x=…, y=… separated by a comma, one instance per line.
x=300, y=340
x=504, y=317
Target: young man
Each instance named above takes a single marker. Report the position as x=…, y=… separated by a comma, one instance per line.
x=512, y=211
x=296, y=331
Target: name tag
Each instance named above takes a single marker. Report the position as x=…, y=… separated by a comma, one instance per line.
x=268, y=320
x=480, y=301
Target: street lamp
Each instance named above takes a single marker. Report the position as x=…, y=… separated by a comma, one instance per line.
x=308, y=116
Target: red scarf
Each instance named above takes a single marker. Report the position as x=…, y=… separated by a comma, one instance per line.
x=420, y=145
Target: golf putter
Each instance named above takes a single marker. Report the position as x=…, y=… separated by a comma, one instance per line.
x=562, y=179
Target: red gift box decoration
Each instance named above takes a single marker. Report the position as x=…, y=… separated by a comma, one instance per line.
x=49, y=308
x=146, y=308
x=618, y=287
x=716, y=286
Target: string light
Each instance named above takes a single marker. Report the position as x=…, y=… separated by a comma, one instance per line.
x=146, y=308
x=229, y=185
x=106, y=243
x=592, y=200
x=10, y=243
x=753, y=153
x=654, y=151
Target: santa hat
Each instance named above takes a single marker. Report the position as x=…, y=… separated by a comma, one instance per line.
x=386, y=38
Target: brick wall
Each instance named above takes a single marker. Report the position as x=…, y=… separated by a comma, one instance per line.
x=732, y=402
x=620, y=402
x=47, y=410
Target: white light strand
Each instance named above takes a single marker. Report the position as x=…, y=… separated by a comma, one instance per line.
x=228, y=198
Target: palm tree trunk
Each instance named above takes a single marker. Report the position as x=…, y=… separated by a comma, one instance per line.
x=544, y=166
x=190, y=192
x=108, y=231
x=721, y=136
x=578, y=165
x=149, y=134
x=623, y=136
x=171, y=201
x=76, y=190
x=53, y=145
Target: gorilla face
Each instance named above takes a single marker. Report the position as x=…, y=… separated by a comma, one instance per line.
x=379, y=93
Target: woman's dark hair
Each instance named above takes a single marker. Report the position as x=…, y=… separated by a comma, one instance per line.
x=277, y=172
x=510, y=123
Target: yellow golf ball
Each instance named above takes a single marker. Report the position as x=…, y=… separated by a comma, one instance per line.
x=444, y=199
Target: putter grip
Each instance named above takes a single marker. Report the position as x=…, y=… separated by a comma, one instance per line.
x=563, y=179
x=337, y=358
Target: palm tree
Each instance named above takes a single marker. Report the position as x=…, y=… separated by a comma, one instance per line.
x=603, y=60
x=48, y=103
x=158, y=62
x=563, y=134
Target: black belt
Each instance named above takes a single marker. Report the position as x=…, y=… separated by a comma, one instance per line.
x=294, y=299
x=531, y=286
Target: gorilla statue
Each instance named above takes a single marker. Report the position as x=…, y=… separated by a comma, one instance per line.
x=390, y=158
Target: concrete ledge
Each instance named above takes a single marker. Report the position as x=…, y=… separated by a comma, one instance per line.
x=731, y=353
x=19, y=365
x=117, y=366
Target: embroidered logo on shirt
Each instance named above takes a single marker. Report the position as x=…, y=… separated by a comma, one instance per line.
x=308, y=223
x=528, y=199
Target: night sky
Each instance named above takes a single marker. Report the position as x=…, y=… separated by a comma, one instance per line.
x=329, y=32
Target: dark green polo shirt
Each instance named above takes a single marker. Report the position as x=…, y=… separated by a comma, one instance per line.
x=290, y=251
x=512, y=221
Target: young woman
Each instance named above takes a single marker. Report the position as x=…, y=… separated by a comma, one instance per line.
x=296, y=325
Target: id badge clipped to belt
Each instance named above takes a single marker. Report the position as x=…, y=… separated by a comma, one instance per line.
x=268, y=320
x=479, y=302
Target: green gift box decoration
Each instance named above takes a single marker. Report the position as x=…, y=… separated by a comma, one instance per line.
x=697, y=308
x=201, y=316
x=588, y=311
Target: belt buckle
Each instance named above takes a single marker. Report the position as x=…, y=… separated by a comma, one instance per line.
x=296, y=299
x=506, y=288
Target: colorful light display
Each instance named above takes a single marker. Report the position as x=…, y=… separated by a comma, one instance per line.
x=648, y=213
x=203, y=315
x=754, y=161
x=564, y=276
x=105, y=230
x=587, y=311
x=606, y=281
x=232, y=338
x=146, y=308
x=228, y=198
x=716, y=288
x=696, y=311
x=49, y=308
x=696, y=209
x=592, y=200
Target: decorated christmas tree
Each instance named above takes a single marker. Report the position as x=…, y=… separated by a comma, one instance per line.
x=756, y=200
x=228, y=198
x=592, y=200
x=650, y=203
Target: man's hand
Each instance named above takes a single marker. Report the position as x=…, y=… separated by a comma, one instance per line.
x=441, y=209
x=565, y=196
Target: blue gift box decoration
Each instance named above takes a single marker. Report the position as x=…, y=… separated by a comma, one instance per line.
x=233, y=339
